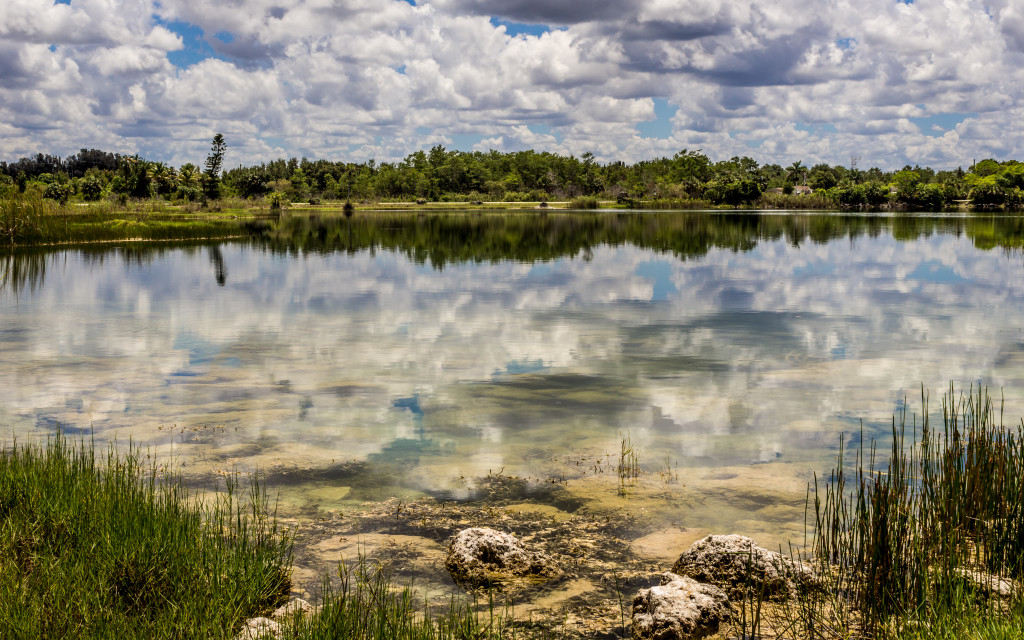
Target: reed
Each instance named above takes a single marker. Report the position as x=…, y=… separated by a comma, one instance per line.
x=583, y=202
x=629, y=464
x=897, y=542
x=28, y=218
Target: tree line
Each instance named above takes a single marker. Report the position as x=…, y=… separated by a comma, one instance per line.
x=443, y=175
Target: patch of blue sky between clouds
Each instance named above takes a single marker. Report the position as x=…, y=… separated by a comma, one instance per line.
x=939, y=124
x=816, y=128
x=195, y=47
x=661, y=126
x=61, y=1
x=542, y=129
x=520, y=28
x=846, y=43
x=465, y=141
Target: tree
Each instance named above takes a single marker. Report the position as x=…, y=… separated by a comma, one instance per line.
x=796, y=172
x=214, y=161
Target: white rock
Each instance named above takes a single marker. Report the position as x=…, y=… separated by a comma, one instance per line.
x=735, y=563
x=259, y=629
x=679, y=609
x=481, y=556
x=296, y=605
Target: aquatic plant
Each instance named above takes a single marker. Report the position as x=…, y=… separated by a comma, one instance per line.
x=916, y=543
x=629, y=464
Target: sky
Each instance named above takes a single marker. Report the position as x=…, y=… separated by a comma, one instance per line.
x=872, y=82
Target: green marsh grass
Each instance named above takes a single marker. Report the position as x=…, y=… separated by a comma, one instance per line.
x=94, y=547
x=893, y=540
x=366, y=603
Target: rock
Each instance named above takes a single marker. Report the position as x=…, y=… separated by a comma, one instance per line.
x=259, y=629
x=295, y=606
x=733, y=562
x=481, y=556
x=680, y=608
x=270, y=628
x=988, y=584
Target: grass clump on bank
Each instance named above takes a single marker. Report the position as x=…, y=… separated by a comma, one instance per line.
x=94, y=548
x=112, y=548
x=29, y=219
x=914, y=547
x=366, y=603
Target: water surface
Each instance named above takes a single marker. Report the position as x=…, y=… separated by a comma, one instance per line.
x=402, y=356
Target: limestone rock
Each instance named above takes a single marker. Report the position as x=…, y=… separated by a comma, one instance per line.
x=988, y=584
x=735, y=562
x=295, y=606
x=259, y=629
x=679, y=609
x=480, y=556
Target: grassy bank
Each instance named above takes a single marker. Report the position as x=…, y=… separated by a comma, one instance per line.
x=106, y=547
x=29, y=219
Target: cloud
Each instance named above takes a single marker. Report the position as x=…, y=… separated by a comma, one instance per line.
x=378, y=78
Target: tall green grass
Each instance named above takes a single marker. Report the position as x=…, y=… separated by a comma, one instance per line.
x=105, y=548
x=28, y=218
x=367, y=604
x=895, y=540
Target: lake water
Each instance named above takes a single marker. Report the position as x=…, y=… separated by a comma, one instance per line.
x=405, y=356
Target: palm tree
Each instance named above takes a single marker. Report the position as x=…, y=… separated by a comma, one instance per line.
x=796, y=172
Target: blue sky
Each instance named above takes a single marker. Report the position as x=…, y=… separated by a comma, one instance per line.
x=888, y=81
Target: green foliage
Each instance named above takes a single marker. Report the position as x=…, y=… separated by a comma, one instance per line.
x=985, y=168
x=584, y=202
x=132, y=179
x=59, y=191
x=91, y=188
x=987, y=192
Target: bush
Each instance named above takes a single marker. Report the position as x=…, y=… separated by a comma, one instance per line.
x=583, y=202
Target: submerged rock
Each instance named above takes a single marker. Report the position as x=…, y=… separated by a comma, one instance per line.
x=735, y=563
x=678, y=609
x=481, y=556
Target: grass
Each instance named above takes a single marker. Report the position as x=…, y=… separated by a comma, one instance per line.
x=94, y=547
x=894, y=539
x=108, y=548
x=30, y=220
x=367, y=604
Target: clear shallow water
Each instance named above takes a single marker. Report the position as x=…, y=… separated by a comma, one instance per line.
x=366, y=373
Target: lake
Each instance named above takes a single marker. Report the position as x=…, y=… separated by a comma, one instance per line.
x=403, y=355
